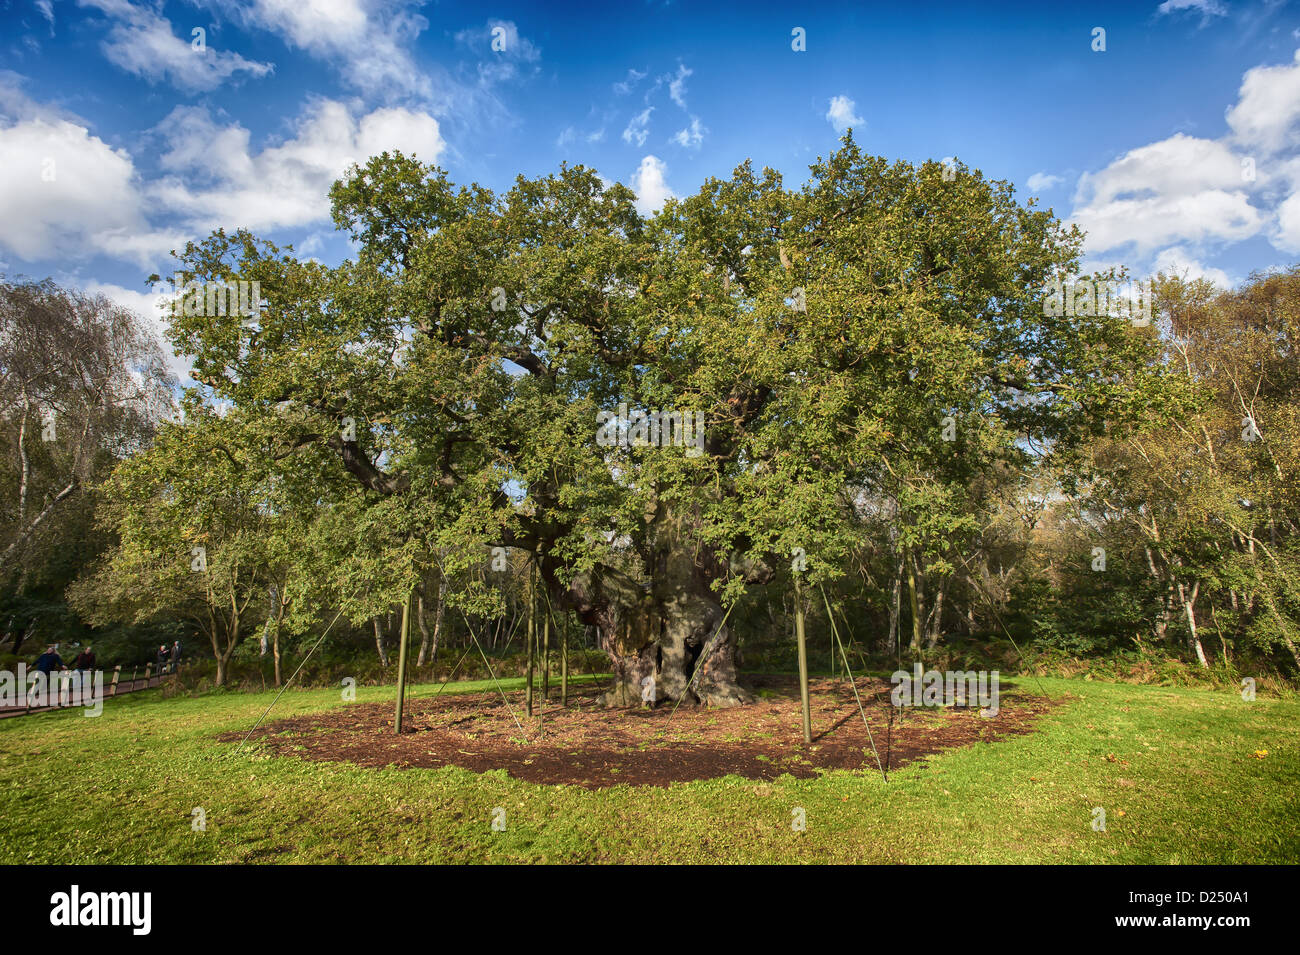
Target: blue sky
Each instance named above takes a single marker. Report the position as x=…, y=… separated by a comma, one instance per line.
x=119, y=139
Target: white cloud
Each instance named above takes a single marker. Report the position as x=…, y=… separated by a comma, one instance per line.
x=312, y=244
x=214, y=179
x=650, y=184
x=1206, y=8
x=638, y=130
x=1041, y=182
x=67, y=194
x=1180, y=164
x=1267, y=112
x=368, y=39
x=1178, y=189
x=1286, y=236
x=503, y=50
x=571, y=134
x=142, y=43
x=677, y=85
x=313, y=24
x=17, y=105
x=505, y=34
x=1188, y=190
x=1210, y=215
x=692, y=137
x=1177, y=261
x=625, y=86
x=843, y=114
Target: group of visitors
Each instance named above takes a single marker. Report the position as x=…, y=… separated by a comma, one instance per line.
x=169, y=657
x=50, y=660
x=50, y=663
x=47, y=662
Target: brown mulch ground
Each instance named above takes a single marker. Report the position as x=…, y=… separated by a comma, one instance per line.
x=594, y=747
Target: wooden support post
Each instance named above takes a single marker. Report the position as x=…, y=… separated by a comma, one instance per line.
x=564, y=664
x=401, y=662
x=546, y=657
x=836, y=671
x=803, y=660
x=532, y=634
x=117, y=673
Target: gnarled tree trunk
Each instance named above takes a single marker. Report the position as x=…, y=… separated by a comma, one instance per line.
x=667, y=629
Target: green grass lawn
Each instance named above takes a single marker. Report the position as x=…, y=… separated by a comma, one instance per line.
x=1174, y=770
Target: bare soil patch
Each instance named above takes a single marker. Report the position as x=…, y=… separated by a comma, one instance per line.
x=595, y=747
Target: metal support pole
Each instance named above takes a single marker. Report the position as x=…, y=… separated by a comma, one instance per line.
x=803, y=660
x=401, y=662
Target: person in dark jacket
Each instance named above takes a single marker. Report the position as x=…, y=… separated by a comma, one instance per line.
x=85, y=660
x=162, y=658
x=176, y=655
x=46, y=663
x=49, y=660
